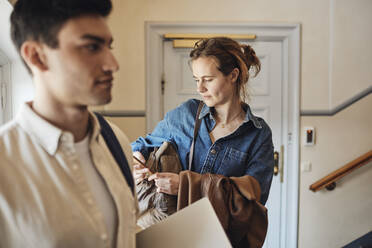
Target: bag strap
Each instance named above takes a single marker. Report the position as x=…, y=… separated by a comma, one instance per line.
x=116, y=150
x=196, y=129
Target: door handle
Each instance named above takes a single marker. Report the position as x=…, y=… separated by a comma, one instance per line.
x=279, y=164
x=281, y=169
x=276, y=163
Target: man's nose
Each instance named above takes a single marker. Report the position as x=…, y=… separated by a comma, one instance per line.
x=110, y=63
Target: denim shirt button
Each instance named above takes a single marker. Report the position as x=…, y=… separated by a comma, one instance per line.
x=213, y=151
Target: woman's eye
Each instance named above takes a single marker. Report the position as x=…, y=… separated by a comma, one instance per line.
x=205, y=80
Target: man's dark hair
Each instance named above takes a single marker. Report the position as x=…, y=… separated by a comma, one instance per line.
x=41, y=20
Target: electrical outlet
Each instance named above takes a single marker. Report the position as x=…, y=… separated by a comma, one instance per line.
x=306, y=166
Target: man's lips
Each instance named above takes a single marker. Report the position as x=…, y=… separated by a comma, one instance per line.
x=105, y=81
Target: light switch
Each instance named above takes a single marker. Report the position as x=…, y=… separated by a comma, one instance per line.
x=309, y=136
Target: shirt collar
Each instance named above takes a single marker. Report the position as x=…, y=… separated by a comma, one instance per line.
x=248, y=117
x=46, y=134
x=96, y=128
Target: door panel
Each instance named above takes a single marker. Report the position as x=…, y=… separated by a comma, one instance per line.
x=179, y=83
x=265, y=100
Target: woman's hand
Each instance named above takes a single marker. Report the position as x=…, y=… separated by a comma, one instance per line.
x=166, y=182
x=140, y=172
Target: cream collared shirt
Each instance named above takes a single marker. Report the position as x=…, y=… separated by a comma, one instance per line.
x=45, y=200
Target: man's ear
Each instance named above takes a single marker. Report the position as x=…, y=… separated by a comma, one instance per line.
x=33, y=54
x=234, y=74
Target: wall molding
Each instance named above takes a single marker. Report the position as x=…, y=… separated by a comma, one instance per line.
x=122, y=113
x=340, y=107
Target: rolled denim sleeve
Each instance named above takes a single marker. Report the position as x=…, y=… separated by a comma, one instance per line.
x=261, y=163
x=161, y=133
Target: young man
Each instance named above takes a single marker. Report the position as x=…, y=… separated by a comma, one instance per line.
x=60, y=185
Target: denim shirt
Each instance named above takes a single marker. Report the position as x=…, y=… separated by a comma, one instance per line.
x=246, y=151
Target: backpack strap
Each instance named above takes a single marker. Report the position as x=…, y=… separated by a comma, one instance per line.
x=116, y=150
x=196, y=129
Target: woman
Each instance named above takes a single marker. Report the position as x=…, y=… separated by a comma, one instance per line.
x=231, y=141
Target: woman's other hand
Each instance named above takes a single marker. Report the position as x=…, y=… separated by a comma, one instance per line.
x=140, y=172
x=166, y=182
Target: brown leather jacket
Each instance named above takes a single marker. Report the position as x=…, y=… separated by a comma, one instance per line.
x=235, y=201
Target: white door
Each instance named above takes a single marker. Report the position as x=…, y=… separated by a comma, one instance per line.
x=266, y=102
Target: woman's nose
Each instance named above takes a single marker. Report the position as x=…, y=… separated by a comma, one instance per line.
x=200, y=87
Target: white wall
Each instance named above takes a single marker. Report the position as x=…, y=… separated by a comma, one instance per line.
x=351, y=48
x=335, y=218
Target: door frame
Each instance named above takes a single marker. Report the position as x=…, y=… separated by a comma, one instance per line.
x=289, y=36
x=5, y=89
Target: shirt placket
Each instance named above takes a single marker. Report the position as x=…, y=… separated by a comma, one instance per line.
x=213, y=152
x=115, y=188
x=78, y=176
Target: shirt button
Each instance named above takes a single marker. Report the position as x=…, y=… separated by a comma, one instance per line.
x=103, y=236
x=213, y=151
x=66, y=137
x=90, y=201
x=75, y=167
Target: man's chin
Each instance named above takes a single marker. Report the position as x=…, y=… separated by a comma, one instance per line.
x=101, y=101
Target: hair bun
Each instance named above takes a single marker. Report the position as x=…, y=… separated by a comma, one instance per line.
x=252, y=59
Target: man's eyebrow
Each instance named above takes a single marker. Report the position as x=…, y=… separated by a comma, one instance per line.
x=96, y=38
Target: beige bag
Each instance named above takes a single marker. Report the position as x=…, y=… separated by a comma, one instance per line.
x=154, y=206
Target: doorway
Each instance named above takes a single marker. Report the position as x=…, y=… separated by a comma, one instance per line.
x=274, y=95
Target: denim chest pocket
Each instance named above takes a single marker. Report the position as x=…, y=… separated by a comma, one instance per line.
x=233, y=163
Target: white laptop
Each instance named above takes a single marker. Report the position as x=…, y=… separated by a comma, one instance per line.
x=195, y=226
